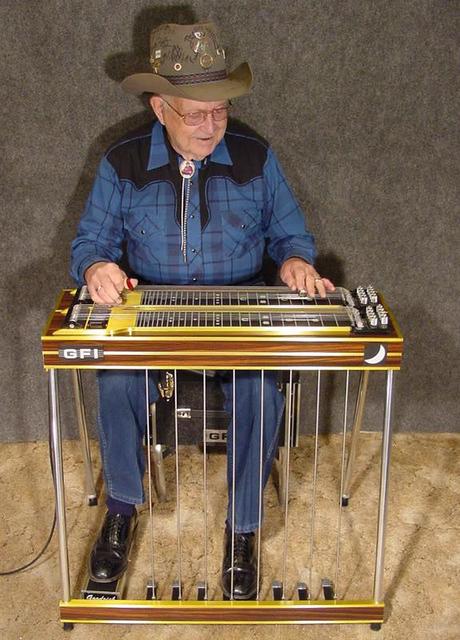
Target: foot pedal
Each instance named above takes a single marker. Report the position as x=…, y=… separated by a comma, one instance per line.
x=302, y=591
x=226, y=598
x=103, y=590
x=277, y=590
x=328, y=589
x=201, y=591
x=152, y=593
x=176, y=591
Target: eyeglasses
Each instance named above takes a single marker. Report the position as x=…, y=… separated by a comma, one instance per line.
x=194, y=118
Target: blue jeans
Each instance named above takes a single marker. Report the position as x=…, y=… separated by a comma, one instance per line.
x=122, y=425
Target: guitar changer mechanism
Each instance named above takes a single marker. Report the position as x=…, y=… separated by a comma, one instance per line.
x=166, y=385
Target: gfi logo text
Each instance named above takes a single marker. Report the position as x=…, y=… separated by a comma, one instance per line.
x=81, y=353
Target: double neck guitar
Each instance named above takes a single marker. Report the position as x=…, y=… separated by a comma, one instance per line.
x=223, y=328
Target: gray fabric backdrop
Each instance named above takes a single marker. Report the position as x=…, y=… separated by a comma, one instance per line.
x=360, y=101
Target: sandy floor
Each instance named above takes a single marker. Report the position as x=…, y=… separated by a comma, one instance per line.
x=422, y=564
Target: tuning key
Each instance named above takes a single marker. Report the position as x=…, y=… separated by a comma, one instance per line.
x=362, y=296
x=382, y=315
x=371, y=316
x=371, y=292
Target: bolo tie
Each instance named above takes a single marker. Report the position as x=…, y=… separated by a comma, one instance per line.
x=187, y=171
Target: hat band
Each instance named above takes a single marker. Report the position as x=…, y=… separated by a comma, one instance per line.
x=197, y=78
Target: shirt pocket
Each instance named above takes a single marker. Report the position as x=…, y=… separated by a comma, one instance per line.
x=148, y=210
x=241, y=231
x=145, y=236
x=142, y=226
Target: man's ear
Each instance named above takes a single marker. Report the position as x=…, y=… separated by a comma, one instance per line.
x=157, y=106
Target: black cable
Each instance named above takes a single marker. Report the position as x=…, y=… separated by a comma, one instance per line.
x=53, y=526
x=37, y=557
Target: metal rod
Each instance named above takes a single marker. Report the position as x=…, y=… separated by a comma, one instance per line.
x=356, y=429
x=83, y=431
x=58, y=472
x=314, y=481
x=156, y=452
x=286, y=483
x=296, y=420
x=150, y=492
x=383, y=498
x=342, y=473
x=158, y=466
x=176, y=435
x=233, y=480
x=261, y=487
x=205, y=488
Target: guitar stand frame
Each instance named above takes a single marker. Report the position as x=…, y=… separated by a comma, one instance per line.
x=95, y=606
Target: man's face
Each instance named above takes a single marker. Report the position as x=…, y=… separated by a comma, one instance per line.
x=191, y=142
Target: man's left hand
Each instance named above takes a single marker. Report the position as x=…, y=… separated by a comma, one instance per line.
x=299, y=275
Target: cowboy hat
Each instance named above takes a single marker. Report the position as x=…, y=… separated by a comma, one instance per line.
x=188, y=61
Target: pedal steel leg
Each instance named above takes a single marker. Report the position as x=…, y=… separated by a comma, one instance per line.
x=342, y=473
x=58, y=472
x=232, y=571
x=178, y=585
x=314, y=482
x=356, y=429
x=84, y=440
x=204, y=587
x=152, y=592
x=261, y=488
x=286, y=484
x=383, y=498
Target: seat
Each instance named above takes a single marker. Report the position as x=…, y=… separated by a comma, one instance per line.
x=190, y=414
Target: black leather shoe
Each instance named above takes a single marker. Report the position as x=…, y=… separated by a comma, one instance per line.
x=109, y=557
x=244, y=566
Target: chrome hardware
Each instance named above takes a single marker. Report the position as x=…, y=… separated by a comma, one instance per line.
x=166, y=386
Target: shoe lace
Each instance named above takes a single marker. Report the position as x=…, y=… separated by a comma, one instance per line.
x=242, y=548
x=113, y=528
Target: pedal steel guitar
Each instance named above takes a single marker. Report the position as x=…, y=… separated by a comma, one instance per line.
x=223, y=328
x=229, y=328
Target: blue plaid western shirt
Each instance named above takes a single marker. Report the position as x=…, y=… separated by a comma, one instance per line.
x=240, y=204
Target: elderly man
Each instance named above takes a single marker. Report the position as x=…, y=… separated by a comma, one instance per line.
x=189, y=199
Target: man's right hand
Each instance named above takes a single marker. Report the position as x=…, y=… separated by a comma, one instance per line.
x=106, y=281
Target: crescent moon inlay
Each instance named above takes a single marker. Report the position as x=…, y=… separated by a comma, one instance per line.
x=378, y=357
